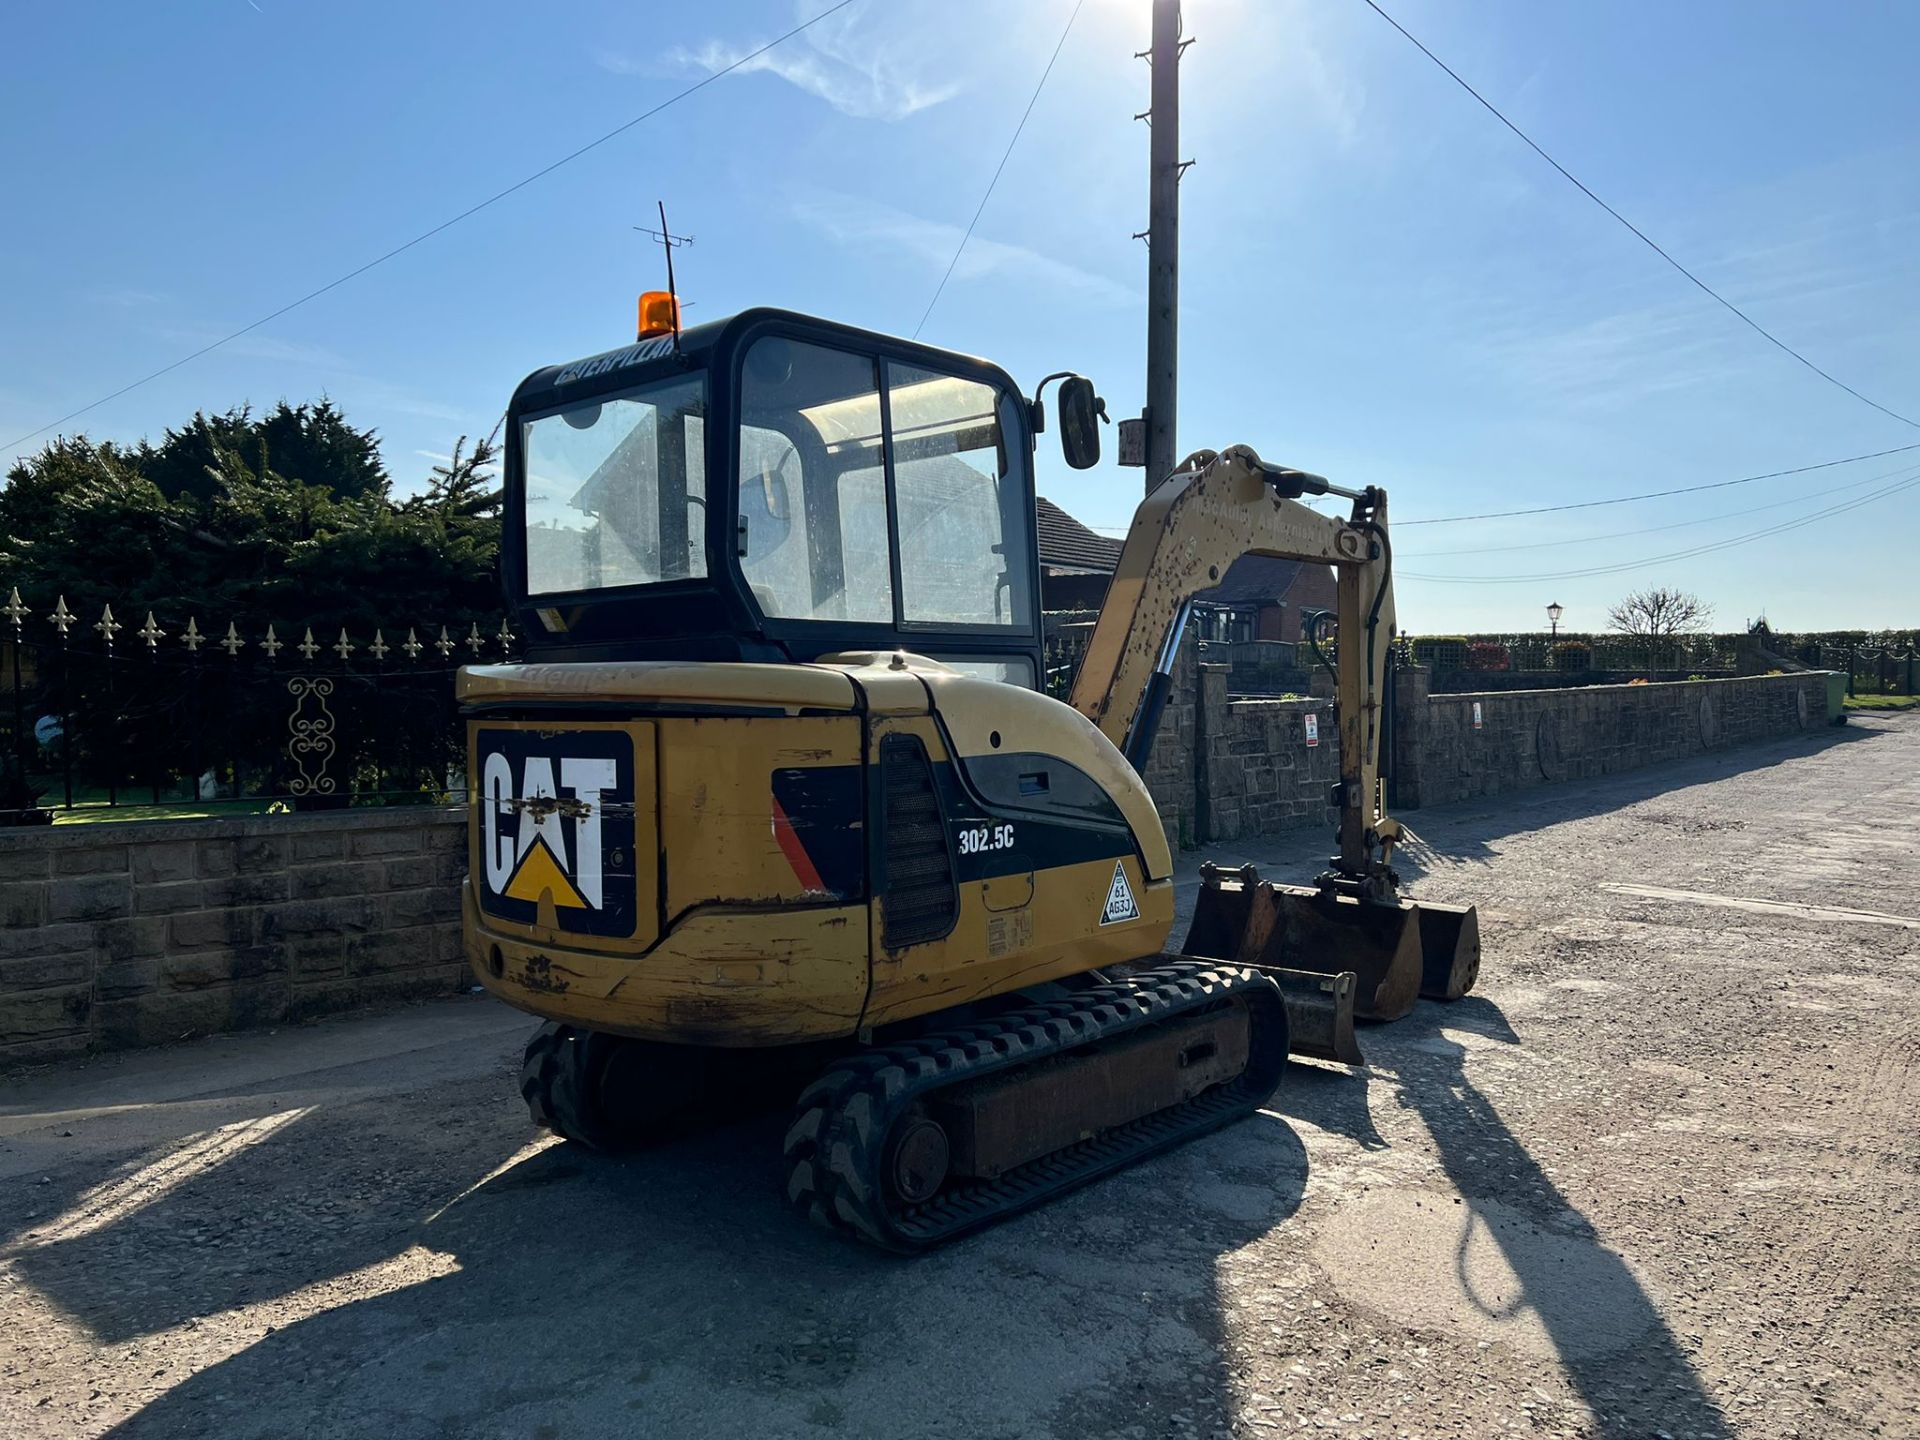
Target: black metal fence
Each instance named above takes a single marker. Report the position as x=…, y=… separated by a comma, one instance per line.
x=105, y=717
x=1872, y=669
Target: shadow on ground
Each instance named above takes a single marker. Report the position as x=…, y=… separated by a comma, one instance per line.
x=1512, y=1260
x=441, y=1277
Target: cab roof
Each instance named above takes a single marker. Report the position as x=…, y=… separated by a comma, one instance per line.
x=592, y=374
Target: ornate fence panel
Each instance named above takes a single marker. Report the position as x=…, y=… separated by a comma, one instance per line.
x=107, y=717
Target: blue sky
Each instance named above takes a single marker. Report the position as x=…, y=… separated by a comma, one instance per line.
x=1378, y=281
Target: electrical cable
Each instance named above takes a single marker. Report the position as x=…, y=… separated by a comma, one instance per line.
x=1661, y=529
x=980, y=209
x=1640, y=234
x=1656, y=494
x=1912, y=479
x=1618, y=499
x=472, y=210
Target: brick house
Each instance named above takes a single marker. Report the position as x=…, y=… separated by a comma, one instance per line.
x=1259, y=598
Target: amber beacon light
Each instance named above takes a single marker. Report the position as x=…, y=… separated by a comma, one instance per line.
x=659, y=314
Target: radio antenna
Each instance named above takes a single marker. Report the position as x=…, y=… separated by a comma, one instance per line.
x=669, y=242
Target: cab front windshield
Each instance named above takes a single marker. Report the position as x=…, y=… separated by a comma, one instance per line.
x=868, y=492
x=616, y=490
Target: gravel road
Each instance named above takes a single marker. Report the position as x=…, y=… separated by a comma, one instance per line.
x=1657, y=1177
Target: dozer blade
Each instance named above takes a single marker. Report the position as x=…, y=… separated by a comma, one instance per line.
x=1449, y=948
x=1246, y=921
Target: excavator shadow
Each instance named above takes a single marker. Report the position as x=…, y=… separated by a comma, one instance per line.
x=544, y=1289
x=1514, y=1260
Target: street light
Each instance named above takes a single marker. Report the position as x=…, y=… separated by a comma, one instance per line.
x=1554, y=612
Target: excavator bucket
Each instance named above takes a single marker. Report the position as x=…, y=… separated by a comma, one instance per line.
x=1297, y=928
x=1319, y=1014
x=1449, y=949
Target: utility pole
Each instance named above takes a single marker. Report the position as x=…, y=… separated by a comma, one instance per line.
x=1163, y=243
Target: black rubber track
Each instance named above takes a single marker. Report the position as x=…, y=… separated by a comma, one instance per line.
x=836, y=1146
x=614, y=1093
x=559, y=1080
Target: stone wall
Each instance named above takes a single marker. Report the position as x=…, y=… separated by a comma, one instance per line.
x=1169, y=771
x=129, y=933
x=1224, y=768
x=1535, y=737
x=1256, y=770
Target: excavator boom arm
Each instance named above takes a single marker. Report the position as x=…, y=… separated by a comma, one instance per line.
x=1203, y=517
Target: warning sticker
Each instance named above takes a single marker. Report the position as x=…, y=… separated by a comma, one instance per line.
x=1120, y=904
x=1313, y=729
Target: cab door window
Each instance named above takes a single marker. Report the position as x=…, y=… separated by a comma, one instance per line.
x=961, y=502
x=812, y=525
x=908, y=508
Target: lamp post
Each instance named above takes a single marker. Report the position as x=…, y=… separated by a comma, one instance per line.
x=1554, y=612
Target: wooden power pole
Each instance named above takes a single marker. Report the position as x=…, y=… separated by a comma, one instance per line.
x=1163, y=244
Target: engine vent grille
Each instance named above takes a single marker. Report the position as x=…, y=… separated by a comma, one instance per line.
x=921, y=901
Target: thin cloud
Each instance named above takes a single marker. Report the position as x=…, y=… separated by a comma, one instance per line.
x=851, y=221
x=366, y=390
x=847, y=60
x=266, y=347
x=126, y=299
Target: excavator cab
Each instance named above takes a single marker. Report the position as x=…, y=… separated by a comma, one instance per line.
x=774, y=488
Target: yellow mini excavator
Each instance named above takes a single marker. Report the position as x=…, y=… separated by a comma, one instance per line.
x=775, y=797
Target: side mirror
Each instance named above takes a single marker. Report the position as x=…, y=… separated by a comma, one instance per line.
x=1081, y=412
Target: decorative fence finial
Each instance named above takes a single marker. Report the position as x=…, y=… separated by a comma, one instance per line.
x=272, y=644
x=151, y=633
x=192, y=638
x=61, y=617
x=413, y=647
x=343, y=647
x=233, y=644
x=378, y=649
x=307, y=647
x=443, y=644
x=15, y=610
x=505, y=637
x=474, y=642
x=107, y=625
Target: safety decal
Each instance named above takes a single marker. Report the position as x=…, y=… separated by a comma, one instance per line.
x=1120, y=905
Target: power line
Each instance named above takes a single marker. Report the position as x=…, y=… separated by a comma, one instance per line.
x=1640, y=234
x=1655, y=529
x=980, y=209
x=1655, y=494
x=1617, y=499
x=443, y=225
x=1912, y=478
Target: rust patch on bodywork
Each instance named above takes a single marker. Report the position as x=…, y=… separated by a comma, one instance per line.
x=538, y=976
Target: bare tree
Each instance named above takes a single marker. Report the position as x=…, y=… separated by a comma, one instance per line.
x=1656, y=616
